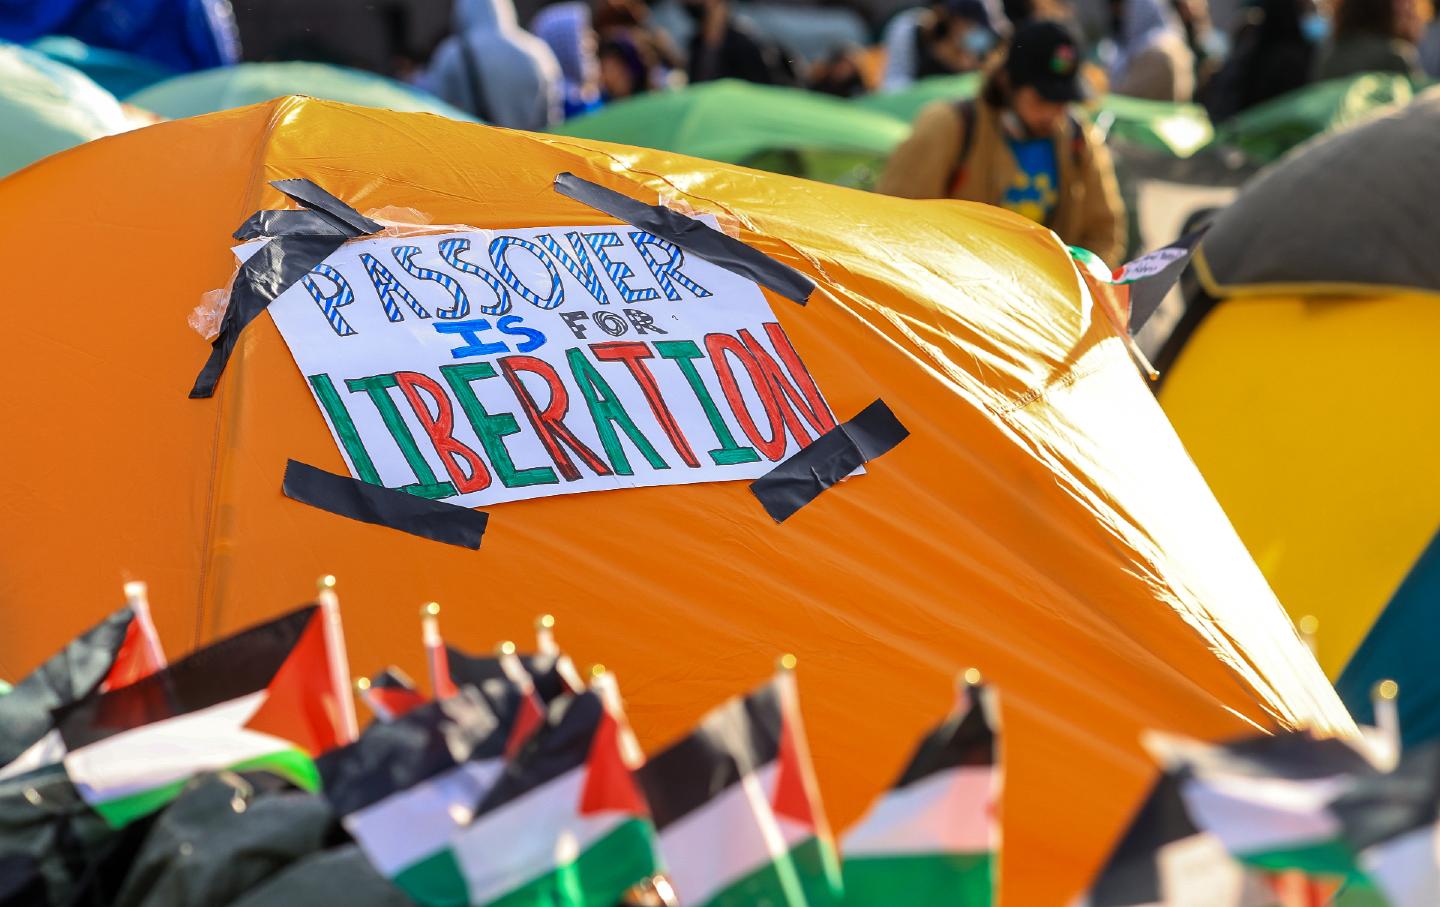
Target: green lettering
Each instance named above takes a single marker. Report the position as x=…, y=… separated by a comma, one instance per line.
x=492, y=429
x=681, y=352
x=378, y=388
x=607, y=412
x=344, y=427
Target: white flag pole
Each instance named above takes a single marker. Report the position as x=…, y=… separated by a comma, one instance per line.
x=339, y=659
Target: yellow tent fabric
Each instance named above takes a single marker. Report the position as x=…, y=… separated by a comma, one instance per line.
x=1311, y=418
x=1042, y=521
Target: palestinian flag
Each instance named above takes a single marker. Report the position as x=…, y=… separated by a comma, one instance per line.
x=506, y=680
x=390, y=694
x=406, y=788
x=934, y=834
x=736, y=807
x=1392, y=821
x=1164, y=860
x=1267, y=800
x=563, y=826
x=119, y=650
x=263, y=699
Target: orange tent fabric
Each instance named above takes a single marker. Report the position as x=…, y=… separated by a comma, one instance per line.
x=1041, y=522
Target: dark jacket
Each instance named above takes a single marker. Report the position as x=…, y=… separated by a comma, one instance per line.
x=740, y=54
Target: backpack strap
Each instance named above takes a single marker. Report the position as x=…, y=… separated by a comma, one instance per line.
x=965, y=111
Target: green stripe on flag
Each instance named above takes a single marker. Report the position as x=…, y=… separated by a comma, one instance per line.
x=819, y=871
x=776, y=883
x=597, y=877
x=292, y=765
x=435, y=881
x=940, y=878
x=1330, y=858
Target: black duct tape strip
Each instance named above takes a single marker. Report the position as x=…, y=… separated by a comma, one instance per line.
x=691, y=235
x=260, y=281
x=326, y=205
x=288, y=223
x=833, y=456
x=347, y=497
x=302, y=240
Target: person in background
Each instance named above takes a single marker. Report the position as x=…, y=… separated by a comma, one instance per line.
x=565, y=27
x=1151, y=57
x=1372, y=36
x=627, y=68
x=495, y=69
x=629, y=22
x=1273, y=53
x=947, y=37
x=1206, y=44
x=1429, y=47
x=726, y=48
x=841, y=74
x=1020, y=146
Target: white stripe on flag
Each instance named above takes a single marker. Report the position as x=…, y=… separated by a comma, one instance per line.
x=948, y=812
x=1199, y=872
x=48, y=750
x=420, y=821
x=528, y=837
x=1406, y=869
x=171, y=750
x=1256, y=815
x=726, y=839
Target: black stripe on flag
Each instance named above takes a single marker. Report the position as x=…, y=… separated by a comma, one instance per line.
x=736, y=739
x=964, y=739
x=1132, y=874
x=560, y=746
x=226, y=670
x=1293, y=756
x=1380, y=807
x=478, y=670
x=69, y=675
x=396, y=755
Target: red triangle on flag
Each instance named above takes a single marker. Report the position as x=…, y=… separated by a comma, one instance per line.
x=135, y=659
x=609, y=786
x=300, y=704
x=792, y=795
x=528, y=719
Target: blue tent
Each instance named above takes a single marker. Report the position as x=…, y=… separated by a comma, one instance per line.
x=179, y=34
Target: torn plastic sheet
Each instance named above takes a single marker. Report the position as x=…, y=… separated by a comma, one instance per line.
x=834, y=455
x=206, y=317
x=381, y=506
x=691, y=235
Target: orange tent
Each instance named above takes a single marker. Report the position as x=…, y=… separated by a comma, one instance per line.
x=1041, y=522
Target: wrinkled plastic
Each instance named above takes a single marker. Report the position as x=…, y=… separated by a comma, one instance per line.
x=1041, y=522
x=206, y=317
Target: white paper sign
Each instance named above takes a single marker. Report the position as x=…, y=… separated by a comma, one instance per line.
x=495, y=366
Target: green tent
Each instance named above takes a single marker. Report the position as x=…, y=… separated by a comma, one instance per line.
x=1267, y=131
x=117, y=72
x=252, y=83
x=1175, y=129
x=782, y=130
x=905, y=103
x=47, y=107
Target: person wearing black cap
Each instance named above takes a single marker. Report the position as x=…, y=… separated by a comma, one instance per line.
x=1020, y=146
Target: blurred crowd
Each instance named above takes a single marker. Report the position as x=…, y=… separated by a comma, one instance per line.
x=1024, y=142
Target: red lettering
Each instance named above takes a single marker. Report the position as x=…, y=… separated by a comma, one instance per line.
x=633, y=353
x=816, y=413
x=440, y=426
x=549, y=423
x=717, y=345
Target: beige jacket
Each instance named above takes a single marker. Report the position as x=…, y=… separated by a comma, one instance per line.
x=1089, y=212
